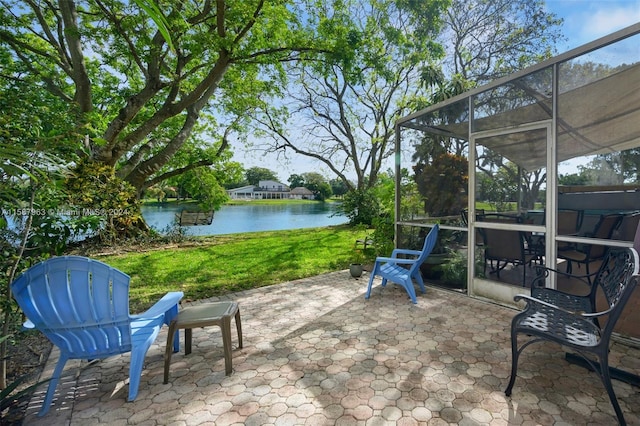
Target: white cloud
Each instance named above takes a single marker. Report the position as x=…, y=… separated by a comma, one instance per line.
x=609, y=19
x=588, y=20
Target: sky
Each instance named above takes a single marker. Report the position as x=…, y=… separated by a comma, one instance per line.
x=584, y=21
x=587, y=20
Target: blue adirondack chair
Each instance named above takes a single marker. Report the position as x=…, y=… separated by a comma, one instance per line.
x=82, y=306
x=401, y=270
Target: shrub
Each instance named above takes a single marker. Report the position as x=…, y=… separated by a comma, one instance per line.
x=360, y=206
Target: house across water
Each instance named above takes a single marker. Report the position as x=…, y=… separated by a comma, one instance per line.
x=269, y=190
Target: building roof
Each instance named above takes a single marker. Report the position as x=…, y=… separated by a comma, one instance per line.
x=248, y=188
x=301, y=190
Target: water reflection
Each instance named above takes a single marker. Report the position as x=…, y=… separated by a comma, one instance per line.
x=250, y=217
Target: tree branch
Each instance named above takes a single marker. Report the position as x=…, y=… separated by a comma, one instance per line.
x=72, y=37
x=176, y=172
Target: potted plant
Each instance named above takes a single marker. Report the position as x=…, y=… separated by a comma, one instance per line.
x=450, y=242
x=355, y=268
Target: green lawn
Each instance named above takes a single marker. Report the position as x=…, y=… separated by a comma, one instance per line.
x=218, y=265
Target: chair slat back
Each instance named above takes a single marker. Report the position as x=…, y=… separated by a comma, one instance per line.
x=603, y=230
x=627, y=228
x=568, y=221
x=504, y=244
x=80, y=304
x=427, y=247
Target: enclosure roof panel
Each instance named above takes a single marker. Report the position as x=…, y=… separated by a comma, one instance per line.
x=599, y=117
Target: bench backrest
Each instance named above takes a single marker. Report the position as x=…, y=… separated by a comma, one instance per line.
x=195, y=217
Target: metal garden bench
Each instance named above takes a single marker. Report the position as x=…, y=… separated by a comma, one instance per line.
x=572, y=321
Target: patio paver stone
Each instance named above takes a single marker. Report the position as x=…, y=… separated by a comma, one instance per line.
x=317, y=353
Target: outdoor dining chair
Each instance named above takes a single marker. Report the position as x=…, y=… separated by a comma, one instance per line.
x=572, y=321
x=588, y=253
x=506, y=247
x=403, y=270
x=82, y=306
x=569, y=222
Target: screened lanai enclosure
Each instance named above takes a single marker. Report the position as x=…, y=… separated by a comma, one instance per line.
x=540, y=167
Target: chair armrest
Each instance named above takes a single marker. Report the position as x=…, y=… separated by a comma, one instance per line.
x=533, y=301
x=394, y=260
x=405, y=251
x=542, y=272
x=162, y=306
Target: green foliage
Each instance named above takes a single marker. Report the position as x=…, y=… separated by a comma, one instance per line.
x=499, y=188
x=613, y=168
x=154, y=12
x=146, y=87
x=383, y=234
x=204, y=183
x=385, y=191
x=108, y=204
x=157, y=192
x=317, y=184
x=24, y=200
x=607, y=169
x=346, y=104
x=338, y=187
x=360, y=206
x=255, y=174
x=295, y=181
x=443, y=184
x=203, y=186
x=454, y=270
x=573, y=179
x=314, y=182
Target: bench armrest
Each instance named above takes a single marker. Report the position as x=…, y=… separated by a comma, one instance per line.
x=533, y=301
x=542, y=272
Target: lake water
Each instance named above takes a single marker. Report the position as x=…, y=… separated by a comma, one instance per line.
x=250, y=218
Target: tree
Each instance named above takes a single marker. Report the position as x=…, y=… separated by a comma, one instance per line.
x=361, y=207
x=485, y=40
x=201, y=185
x=341, y=111
x=573, y=179
x=136, y=100
x=499, y=187
x=317, y=184
x=295, y=181
x=444, y=184
x=338, y=187
x=624, y=165
x=489, y=39
x=255, y=174
x=23, y=176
